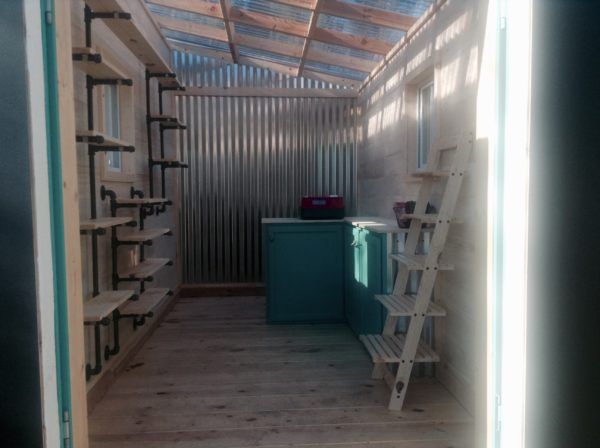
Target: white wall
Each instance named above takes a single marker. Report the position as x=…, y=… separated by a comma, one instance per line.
x=448, y=49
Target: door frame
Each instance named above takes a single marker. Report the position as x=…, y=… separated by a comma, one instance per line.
x=65, y=205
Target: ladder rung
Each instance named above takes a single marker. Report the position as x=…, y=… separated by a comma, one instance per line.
x=405, y=305
x=425, y=218
x=432, y=174
x=418, y=262
x=388, y=349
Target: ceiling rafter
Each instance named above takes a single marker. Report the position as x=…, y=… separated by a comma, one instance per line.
x=230, y=30
x=312, y=24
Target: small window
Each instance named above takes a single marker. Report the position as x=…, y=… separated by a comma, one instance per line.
x=425, y=123
x=112, y=126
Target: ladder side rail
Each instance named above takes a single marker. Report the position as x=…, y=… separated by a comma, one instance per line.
x=429, y=276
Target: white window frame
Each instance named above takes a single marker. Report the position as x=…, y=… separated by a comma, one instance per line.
x=422, y=151
x=112, y=126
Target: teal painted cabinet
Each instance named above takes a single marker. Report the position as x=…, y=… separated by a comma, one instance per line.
x=304, y=272
x=365, y=276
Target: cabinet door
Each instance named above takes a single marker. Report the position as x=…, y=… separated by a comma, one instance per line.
x=305, y=273
x=349, y=280
x=353, y=277
x=373, y=254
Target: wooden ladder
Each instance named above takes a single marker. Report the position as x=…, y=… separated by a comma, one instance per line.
x=390, y=349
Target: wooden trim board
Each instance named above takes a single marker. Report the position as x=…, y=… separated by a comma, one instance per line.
x=68, y=154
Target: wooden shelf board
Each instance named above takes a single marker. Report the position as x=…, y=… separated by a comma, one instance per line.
x=145, y=269
x=130, y=33
x=147, y=302
x=98, y=70
x=388, y=349
x=104, y=223
x=168, y=121
x=143, y=235
x=141, y=201
x=99, y=307
x=417, y=262
x=169, y=82
x=84, y=136
x=405, y=305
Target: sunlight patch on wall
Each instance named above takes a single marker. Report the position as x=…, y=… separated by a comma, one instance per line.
x=448, y=79
x=419, y=58
x=472, y=67
x=451, y=32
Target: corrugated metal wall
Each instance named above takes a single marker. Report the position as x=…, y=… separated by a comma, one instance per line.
x=252, y=158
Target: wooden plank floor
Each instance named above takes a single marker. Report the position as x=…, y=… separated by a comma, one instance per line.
x=214, y=375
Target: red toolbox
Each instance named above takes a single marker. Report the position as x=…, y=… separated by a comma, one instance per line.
x=322, y=207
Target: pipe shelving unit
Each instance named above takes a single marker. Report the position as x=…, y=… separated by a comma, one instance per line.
x=112, y=306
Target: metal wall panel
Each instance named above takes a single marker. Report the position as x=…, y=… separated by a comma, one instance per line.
x=252, y=158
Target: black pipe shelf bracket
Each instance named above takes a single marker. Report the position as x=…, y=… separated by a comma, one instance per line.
x=167, y=82
x=89, y=370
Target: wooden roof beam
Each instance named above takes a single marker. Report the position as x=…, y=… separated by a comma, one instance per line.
x=304, y=4
x=366, y=14
x=312, y=25
x=230, y=30
x=195, y=6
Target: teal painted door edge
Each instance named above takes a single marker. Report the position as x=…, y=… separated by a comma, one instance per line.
x=56, y=212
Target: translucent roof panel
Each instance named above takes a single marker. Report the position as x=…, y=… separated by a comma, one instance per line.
x=287, y=47
x=183, y=15
x=273, y=9
x=410, y=7
x=334, y=70
x=268, y=56
x=267, y=34
x=184, y=38
x=359, y=28
x=330, y=48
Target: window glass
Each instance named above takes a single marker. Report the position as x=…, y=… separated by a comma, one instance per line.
x=425, y=124
x=112, y=127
